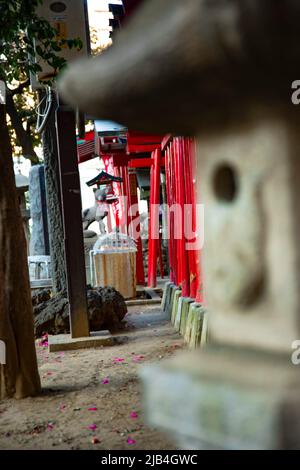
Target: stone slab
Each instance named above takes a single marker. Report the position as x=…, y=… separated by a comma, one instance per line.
x=186, y=302
x=176, y=297
x=178, y=312
x=189, y=321
x=169, y=301
x=169, y=292
x=199, y=314
x=165, y=295
x=97, y=339
x=225, y=398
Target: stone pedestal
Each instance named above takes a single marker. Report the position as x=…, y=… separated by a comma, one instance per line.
x=250, y=180
x=170, y=300
x=165, y=297
x=176, y=298
x=186, y=304
x=39, y=242
x=225, y=398
x=196, y=328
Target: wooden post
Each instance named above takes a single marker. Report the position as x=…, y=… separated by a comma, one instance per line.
x=72, y=220
x=133, y=200
x=154, y=218
x=169, y=203
x=125, y=191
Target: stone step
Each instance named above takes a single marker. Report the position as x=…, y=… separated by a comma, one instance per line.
x=225, y=398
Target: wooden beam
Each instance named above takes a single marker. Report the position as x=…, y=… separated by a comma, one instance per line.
x=71, y=210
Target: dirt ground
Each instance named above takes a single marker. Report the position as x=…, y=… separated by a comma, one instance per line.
x=92, y=398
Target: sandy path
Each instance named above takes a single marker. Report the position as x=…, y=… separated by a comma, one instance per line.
x=72, y=383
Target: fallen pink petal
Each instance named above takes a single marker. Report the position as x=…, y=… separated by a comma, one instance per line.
x=134, y=415
x=130, y=441
x=50, y=426
x=92, y=408
x=138, y=358
x=105, y=381
x=118, y=359
x=92, y=427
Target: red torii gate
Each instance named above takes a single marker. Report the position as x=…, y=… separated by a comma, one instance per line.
x=185, y=267
x=177, y=156
x=136, y=154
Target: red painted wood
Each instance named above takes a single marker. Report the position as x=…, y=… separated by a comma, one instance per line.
x=187, y=217
x=86, y=147
x=138, y=142
x=195, y=196
x=168, y=191
x=173, y=201
x=161, y=266
x=125, y=199
x=182, y=177
x=120, y=159
x=140, y=163
x=166, y=141
x=143, y=162
x=154, y=218
x=190, y=215
x=133, y=200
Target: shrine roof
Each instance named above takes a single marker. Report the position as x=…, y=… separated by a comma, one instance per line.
x=104, y=178
x=109, y=128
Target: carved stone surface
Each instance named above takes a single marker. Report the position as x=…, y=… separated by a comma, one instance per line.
x=250, y=179
x=37, y=241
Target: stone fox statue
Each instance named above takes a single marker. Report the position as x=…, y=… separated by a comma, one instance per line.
x=97, y=212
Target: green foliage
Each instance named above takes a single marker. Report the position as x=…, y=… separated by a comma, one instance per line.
x=23, y=37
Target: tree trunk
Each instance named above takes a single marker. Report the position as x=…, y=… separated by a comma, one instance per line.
x=23, y=138
x=56, y=232
x=19, y=376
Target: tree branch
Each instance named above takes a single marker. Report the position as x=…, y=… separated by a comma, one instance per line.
x=19, y=89
x=24, y=140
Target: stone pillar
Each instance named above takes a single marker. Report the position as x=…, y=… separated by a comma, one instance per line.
x=250, y=176
x=39, y=242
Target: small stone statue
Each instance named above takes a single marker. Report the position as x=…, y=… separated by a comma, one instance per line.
x=97, y=212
